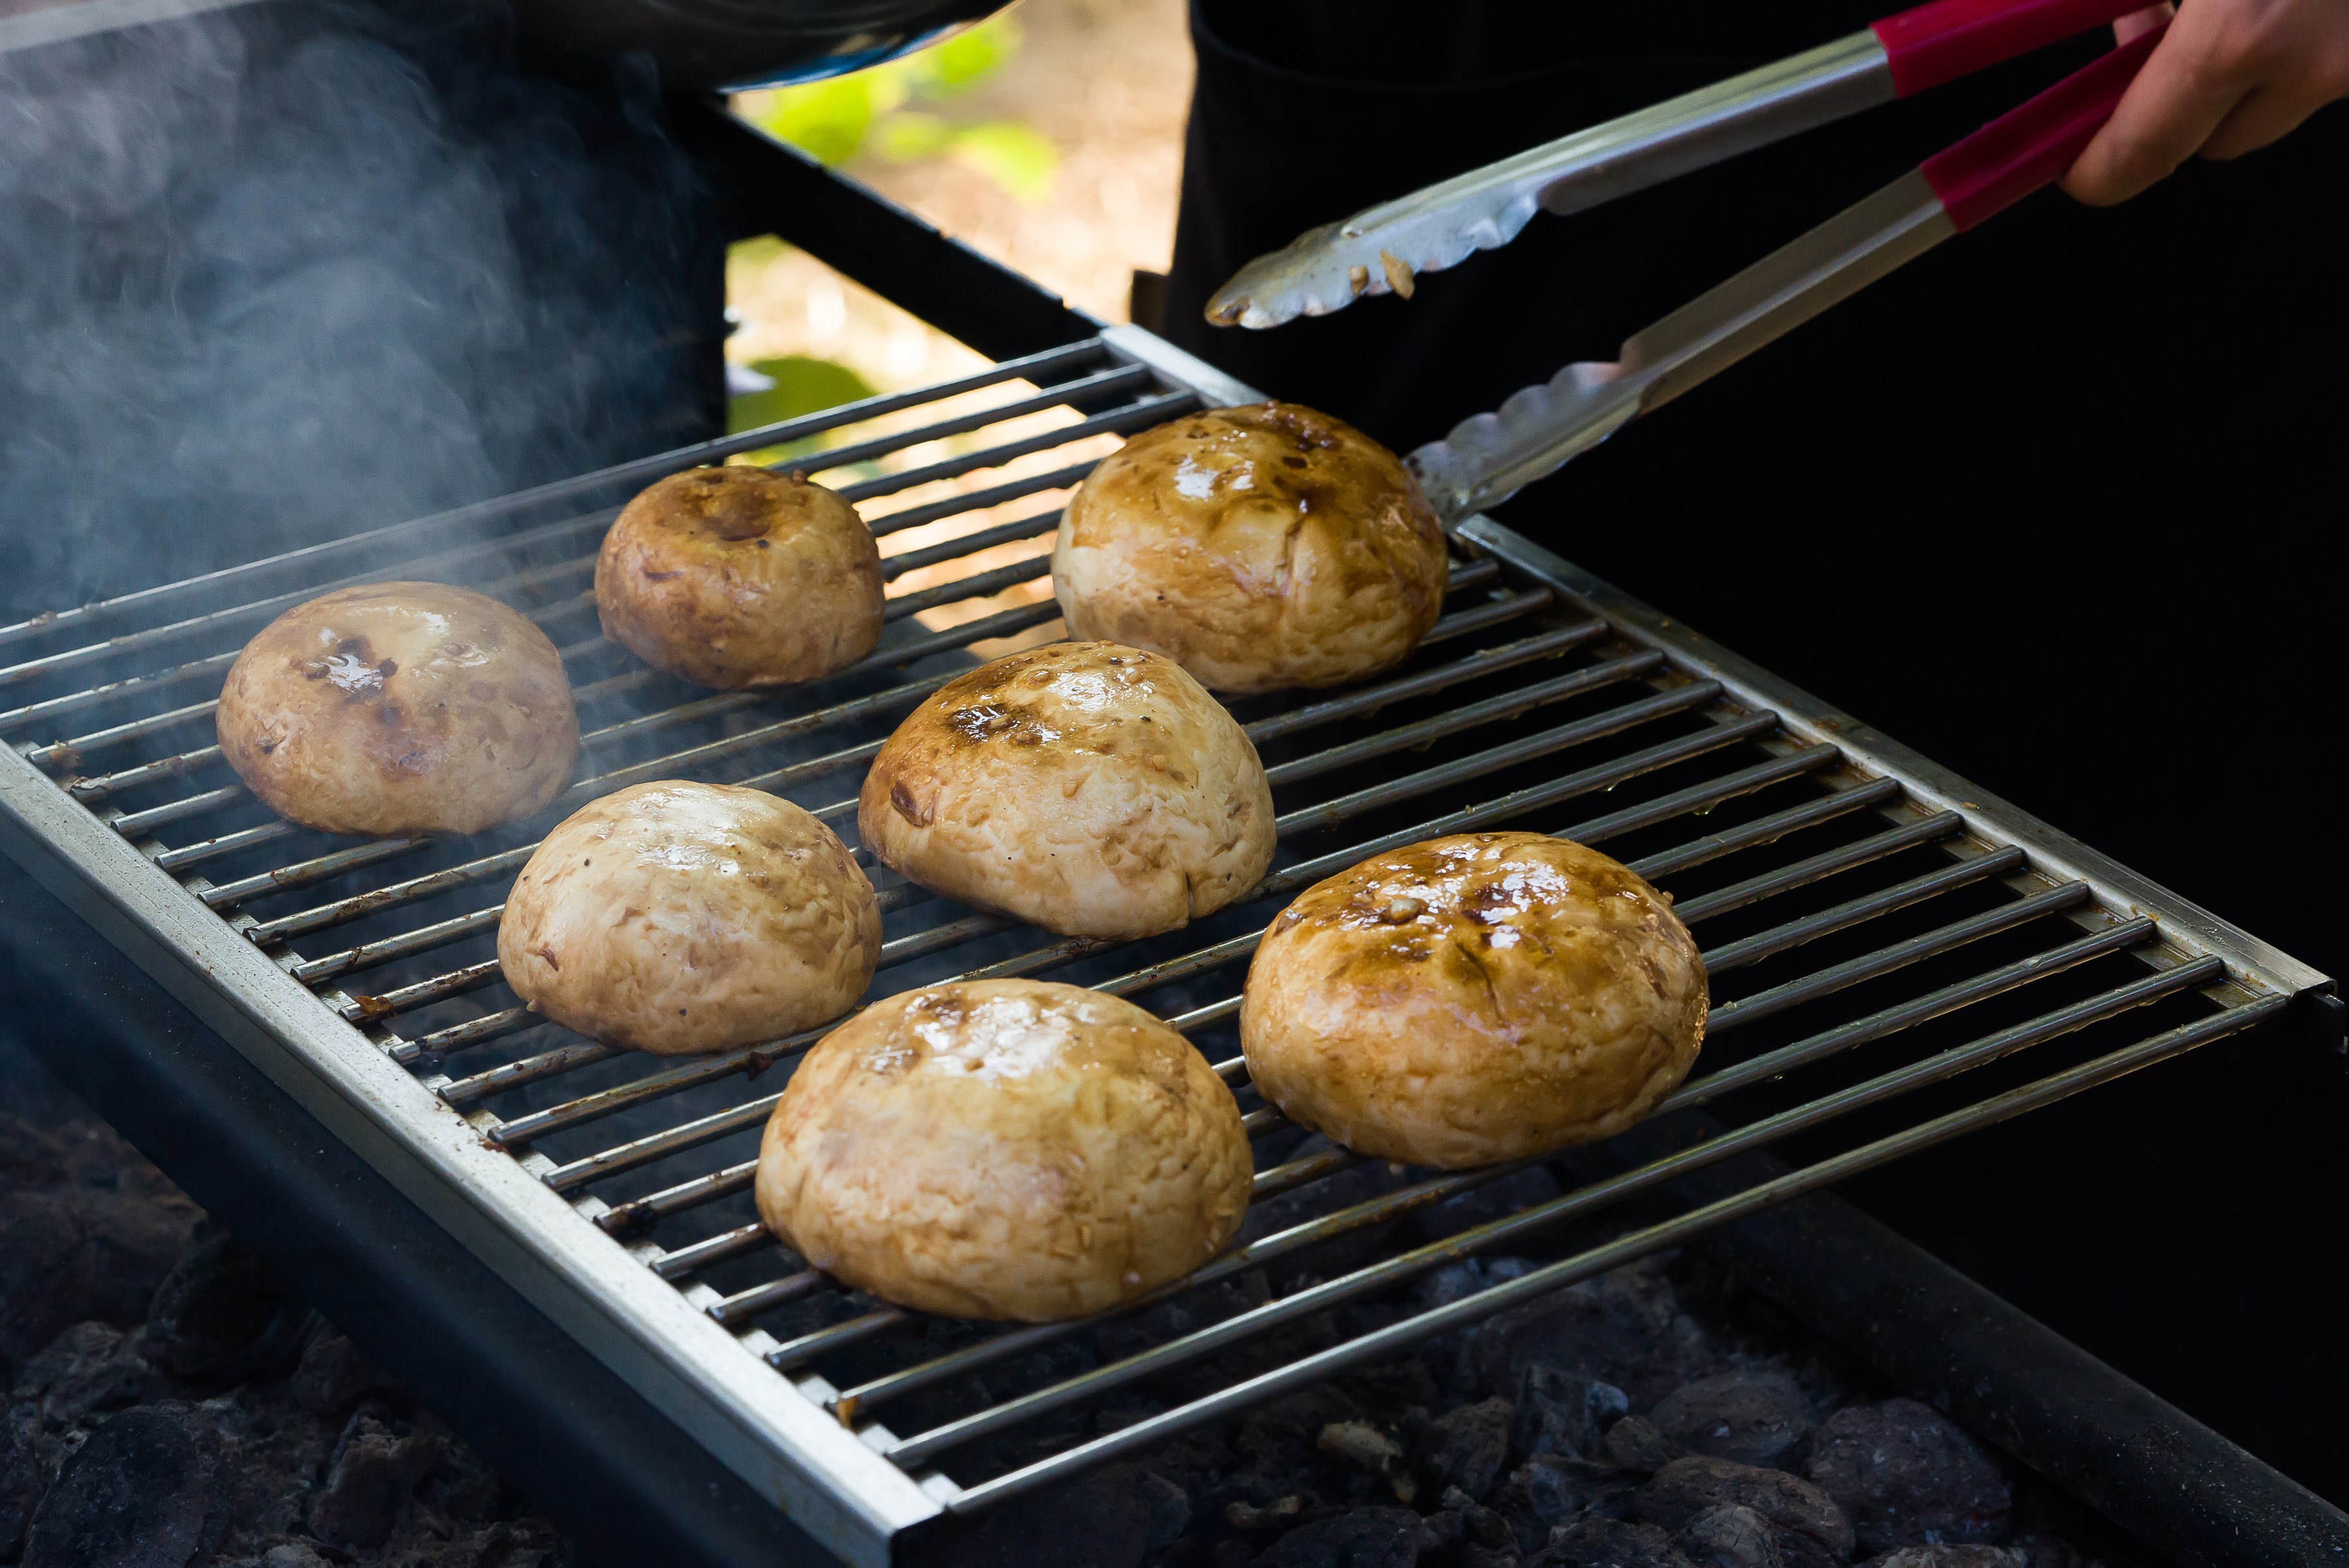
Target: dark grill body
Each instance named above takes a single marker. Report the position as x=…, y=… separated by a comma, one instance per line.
x=1898, y=960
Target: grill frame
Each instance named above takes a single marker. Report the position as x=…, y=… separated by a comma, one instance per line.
x=835, y=1485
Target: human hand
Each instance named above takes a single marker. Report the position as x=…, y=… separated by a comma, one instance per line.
x=2230, y=77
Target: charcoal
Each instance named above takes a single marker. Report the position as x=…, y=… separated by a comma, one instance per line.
x=1478, y=1205
x=139, y=1494
x=1728, y=1535
x=1466, y=1447
x=1753, y=1417
x=1442, y=1532
x=1452, y=1354
x=460, y=1486
x=214, y=1312
x=1481, y=1526
x=1635, y=1443
x=1951, y=1555
x=294, y=1554
x=22, y=1481
x=1551, y=1489
x=1557, y=1413
x=1113, y=1518
x=1359, y=1538
x=1608, y=1543
x=89, y=1370
x=515, y=1544
x=1625, y=1328
x=1231, y=1553
x=1812, y=1531
x=80, y=1255
x=1475, y=1557
x=1907, y=1475
x=1342, y=1255
x=1285, y=1435
x=375, y=1469
x=333, y=1374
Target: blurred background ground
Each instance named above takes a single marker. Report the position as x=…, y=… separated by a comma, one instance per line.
x=1050, y=138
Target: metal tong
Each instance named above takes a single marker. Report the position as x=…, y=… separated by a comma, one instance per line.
x=1382, y=248
x=1489, y=458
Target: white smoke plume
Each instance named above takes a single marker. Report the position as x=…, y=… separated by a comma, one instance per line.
x=273, y=275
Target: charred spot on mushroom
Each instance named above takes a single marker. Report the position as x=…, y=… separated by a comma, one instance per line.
x=907, y=806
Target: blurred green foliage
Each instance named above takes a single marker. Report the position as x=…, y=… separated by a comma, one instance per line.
x=802, y=386
x=835, y=121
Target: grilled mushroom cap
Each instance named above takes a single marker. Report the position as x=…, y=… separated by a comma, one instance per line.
x=737, y=578
x=1090, y=789
x=675, y=918
x=400, y=708
x=1473, y=999
x=1259, y=547
x=1005, y=1148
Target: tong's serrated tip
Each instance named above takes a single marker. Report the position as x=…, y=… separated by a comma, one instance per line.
x=1306, y=276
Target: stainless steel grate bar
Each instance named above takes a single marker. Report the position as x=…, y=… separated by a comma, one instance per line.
x=128, y=686
x=1891, y=1020
x=738, y=1242
x=1927, y=830
x=970, y=501
x=90, y=790
x=831, y=460
x=1842, y=976
x=1508, y=706
x=983, y=585
x=69, y=754
x=1476, y=666
x=924, y=1447
x=639, y=471
x=1767, y=830
x=641, y=1213
x=228, y=895
x=1117, y=422
x=658, y=1145
x=905, y=948
x=1378, y=1210
x=408, y=998
x=1384, y=1343
x=529, y=1070
x=1867, y=907
x=609, y=1101
x=747, y=1305
x=497, y=1025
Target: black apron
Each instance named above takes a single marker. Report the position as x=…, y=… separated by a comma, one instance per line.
x=2058, y=505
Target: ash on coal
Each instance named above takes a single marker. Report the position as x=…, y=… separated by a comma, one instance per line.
x=168, y=1403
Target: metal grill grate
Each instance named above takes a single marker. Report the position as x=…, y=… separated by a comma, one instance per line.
x=1879, y=945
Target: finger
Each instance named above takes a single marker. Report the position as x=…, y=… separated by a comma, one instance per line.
x=2166, y=116
x=2266, y=115
x=2128, y=29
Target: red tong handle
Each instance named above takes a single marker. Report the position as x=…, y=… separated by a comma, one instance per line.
x=2018, y=153
x=1947, y=39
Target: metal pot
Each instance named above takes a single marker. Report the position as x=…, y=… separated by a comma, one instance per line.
x=703, y=43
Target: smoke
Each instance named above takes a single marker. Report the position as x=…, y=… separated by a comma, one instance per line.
x=272, y=275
